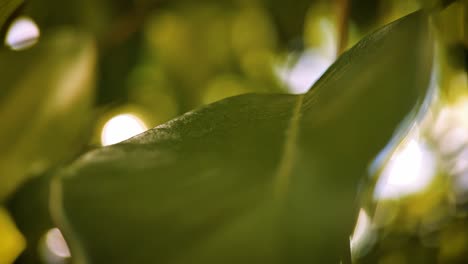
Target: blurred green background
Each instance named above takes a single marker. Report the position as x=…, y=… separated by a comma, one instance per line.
x=151, y=61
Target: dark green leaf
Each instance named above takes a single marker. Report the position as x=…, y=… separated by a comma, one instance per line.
x=253, y=178
x=45, y=100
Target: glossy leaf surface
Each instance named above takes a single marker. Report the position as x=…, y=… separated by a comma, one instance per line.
x=253, y=178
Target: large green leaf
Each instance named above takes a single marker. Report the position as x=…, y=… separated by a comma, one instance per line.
x=46, y=94
x=253, y=178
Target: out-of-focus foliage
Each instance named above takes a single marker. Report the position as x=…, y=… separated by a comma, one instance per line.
x=29, y=206
x=251, y=178
x=7, y=7
x=451, y=24
x=46, y=96
x=11, y=241
x=236, y=47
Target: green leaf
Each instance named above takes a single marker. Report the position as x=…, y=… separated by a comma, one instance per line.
x=46, y=94
x=7, y=7
x=250, y=179
x=29, y=208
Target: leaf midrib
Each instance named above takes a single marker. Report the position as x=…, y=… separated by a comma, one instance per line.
x=285, y=167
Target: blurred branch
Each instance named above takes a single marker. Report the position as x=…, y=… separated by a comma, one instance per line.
x=343, y=25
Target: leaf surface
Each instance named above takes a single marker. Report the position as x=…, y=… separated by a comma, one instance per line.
x=253, y=178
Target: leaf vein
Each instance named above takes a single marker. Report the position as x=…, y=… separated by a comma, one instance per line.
x=286, y=163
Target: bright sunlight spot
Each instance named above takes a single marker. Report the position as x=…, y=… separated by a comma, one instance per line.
x=23, y=33
x=451, y=126
x=56, y=243
x=305, y=72
x=361, y=232
x=409, y=171
x=300, y=71
x=451, y=130
x=120, y=128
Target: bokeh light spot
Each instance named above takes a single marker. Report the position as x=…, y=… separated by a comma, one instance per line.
x=121, y=127
x=56, y=243
x=307, y=70
x=23, y=33
x=411, y=169
x=362, y=234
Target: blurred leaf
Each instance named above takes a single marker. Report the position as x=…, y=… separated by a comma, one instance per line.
x=150, y=89
x=45, y=95
x=195, y=43
x=320, y=29
x=450, y=24
x=29, y=207
x=116, y=27
x=224, y=86
x=93, y=16
x=252, y=30
x=254, y=178
x=11, y=241
x=7, y=7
